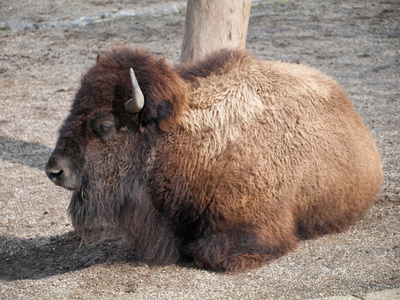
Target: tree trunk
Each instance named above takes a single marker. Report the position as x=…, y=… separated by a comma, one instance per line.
x=214, y=24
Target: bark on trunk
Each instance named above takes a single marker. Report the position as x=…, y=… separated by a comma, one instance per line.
x=214, y=24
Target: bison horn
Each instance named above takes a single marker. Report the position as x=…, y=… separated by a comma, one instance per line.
x=136, y=103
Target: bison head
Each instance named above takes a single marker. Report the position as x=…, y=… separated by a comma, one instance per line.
x=106, y=145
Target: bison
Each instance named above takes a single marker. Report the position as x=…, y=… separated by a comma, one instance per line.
x=228, y=161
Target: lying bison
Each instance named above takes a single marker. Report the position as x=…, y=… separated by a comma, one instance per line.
x=228, y=161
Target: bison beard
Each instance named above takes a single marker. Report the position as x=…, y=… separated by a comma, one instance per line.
x=229, y=161
x=113, y=203
x=138, y=224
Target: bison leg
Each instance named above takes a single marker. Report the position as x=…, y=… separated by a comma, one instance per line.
x=150, y=234
x=235, y=251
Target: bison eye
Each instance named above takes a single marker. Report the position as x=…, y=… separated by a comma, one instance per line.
x=105, y=125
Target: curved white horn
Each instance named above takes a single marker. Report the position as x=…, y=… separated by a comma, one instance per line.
x=136, y=103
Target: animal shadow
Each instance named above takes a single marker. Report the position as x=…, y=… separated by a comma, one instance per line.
x=29, y=154
x=39, y=258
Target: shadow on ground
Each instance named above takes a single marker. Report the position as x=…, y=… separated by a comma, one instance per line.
x=38, y=258
x=15, y=151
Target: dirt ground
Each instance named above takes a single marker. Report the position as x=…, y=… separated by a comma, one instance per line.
x=46, y=45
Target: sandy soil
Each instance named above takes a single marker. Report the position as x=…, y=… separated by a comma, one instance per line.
x=46, y=45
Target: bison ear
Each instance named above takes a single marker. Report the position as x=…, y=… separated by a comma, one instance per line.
x=160, y=114
x=164, y=109
x=169, y=113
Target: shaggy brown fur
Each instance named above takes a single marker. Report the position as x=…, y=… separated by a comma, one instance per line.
x=230, y=162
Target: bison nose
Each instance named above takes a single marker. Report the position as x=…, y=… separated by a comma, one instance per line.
x=59, y=170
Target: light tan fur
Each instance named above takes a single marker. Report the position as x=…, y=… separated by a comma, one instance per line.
x=277, y=147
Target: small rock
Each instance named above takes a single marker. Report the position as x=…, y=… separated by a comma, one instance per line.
x=105, y=15
x=174, y=9
x=16, y=26
x=75, y=23
x=126, y=13
x=29, y=26
x=86, y=19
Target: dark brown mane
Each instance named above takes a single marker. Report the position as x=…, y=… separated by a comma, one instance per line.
x=214, y=63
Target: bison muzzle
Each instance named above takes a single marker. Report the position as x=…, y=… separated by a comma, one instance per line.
x=227, y=161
